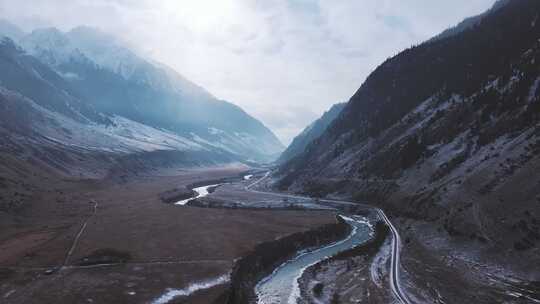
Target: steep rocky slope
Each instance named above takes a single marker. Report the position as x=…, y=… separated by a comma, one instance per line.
x=446, y=135
x=438, y=118
x=310, y=133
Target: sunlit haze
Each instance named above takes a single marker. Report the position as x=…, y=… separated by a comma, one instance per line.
x=284, y=61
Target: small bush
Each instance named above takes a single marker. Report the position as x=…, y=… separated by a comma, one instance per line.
x=105, y=256
x=318, y=289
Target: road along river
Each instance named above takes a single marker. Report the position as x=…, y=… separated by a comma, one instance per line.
x=282, y=285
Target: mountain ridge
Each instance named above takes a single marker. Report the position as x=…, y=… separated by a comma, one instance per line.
x=471, y=21
x=445, y=136
x=147, y=92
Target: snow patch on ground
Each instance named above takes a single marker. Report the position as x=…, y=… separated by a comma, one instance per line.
x=378, y=267
x=171, y=294
x=533, y=93
x=123, y=136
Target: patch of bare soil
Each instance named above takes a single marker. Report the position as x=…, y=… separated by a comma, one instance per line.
x=105, y=256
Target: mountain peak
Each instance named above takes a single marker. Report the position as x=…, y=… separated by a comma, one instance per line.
x=50, y=33
x=92, y=35
x=6, y=43
x=10, y=30
x=471, y=21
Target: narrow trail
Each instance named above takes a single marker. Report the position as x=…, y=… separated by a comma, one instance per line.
x=226, y=262
x=78, y=236
x=141, y=263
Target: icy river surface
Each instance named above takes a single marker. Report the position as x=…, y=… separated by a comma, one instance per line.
x=201, y=192
x=282, y=285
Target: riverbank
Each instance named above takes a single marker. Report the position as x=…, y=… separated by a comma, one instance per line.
x=351, y=276
x=282, y=285
x=266, y=257
x=265, y=262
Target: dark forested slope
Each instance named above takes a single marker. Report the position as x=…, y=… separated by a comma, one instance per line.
x=446, y=132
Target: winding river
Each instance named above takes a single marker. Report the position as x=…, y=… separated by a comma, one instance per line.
x=201, y=192
x=282, y=285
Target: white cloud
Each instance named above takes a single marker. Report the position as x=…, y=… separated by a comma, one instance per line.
x=284, y=61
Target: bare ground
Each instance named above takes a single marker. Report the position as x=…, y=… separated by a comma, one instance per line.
x=150, y=246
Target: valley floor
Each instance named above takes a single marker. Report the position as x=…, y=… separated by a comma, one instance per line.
x=115, y=241
x=132, y=247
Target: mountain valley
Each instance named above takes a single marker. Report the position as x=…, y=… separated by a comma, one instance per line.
x=121, y=181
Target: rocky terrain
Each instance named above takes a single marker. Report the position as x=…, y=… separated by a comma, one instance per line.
x=445, y=137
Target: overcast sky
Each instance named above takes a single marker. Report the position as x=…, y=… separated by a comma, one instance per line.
x=283, y=61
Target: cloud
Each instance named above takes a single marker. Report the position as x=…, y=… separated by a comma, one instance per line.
x=283, y=61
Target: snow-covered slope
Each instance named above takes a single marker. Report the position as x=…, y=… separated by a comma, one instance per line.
x=85, y=45
x=118, y=82
x=112, y=54
x=7, y=29
x=121, y=135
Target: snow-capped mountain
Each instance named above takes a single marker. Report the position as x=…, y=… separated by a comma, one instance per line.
x=117, y=82
x=112, y=54
x=83, y=44
x=39, y=104
x=9, y=30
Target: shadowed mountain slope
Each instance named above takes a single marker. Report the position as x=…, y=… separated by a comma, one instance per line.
x=310, y=133
x=447, y=134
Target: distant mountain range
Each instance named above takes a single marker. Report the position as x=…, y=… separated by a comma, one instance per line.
x=86, y=89
x=310, y=133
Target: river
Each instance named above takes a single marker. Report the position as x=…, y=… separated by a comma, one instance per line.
x=282, y=285
x=201, y=192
